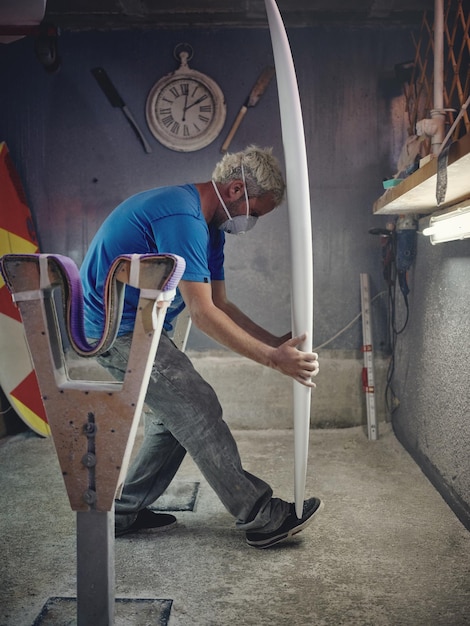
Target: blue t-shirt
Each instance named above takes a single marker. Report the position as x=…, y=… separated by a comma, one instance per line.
x=166, y=219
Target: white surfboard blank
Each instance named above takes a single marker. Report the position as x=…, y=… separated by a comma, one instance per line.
x=298, y=199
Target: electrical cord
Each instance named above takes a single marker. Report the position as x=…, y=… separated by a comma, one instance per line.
x=392, y=275
x=343, y=330
x=390, y=396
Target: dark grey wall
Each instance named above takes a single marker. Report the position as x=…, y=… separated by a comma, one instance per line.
x=433, y=367
x=78, y=157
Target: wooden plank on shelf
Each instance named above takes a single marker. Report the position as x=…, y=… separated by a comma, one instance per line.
x=417, y=192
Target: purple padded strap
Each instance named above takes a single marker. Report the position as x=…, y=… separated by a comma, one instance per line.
x=113, y=300
x=70, y=282
x=75, y=317
x=176, y=274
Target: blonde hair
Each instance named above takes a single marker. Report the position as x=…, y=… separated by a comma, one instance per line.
x=262, y=172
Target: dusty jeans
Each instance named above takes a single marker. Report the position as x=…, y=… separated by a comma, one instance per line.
x=186, y=415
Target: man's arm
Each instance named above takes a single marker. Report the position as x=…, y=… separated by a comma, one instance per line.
x=218, y=325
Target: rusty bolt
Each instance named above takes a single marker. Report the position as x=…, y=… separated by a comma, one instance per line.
x=89, y=459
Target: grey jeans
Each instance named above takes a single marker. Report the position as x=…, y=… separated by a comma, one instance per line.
x=186, y=416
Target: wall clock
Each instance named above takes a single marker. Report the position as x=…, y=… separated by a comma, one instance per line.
x=185, y=110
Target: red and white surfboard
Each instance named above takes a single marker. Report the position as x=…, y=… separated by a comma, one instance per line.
x=17, y=234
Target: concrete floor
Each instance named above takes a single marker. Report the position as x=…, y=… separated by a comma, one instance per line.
x=386, y=550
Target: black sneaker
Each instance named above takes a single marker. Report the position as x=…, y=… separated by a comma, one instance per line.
x=149, y=522
x=291, y=526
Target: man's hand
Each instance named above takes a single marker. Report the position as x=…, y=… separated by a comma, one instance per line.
x=280, y=340
x=301, y=366
x=227, y=325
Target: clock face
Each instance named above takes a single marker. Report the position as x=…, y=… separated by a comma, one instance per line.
x=185, y=112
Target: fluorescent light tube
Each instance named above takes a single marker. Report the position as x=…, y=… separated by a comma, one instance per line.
x=449, y=226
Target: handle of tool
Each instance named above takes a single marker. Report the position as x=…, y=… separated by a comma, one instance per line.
x=107, y=87
x=137, y=130
x=233, y=130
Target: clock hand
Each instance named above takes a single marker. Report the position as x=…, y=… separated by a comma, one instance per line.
x=195, y=102
x=185, y=107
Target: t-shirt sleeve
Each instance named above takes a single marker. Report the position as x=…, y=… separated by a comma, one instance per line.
x=188, y=237
x=216, y=254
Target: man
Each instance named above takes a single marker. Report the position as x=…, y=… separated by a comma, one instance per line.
x=191, y=221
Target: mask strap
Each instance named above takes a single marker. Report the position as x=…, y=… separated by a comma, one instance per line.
x=245, y=190
x=221, y=201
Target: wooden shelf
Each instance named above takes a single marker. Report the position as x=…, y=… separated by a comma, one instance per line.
x=417, y=193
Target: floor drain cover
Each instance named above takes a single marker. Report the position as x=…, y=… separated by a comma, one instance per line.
x=128, y=612
x=179, y=496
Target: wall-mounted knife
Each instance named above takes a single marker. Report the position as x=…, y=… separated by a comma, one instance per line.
x=258, y=90
x=115, y=99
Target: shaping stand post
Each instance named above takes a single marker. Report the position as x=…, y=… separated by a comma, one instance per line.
x=95, y=567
